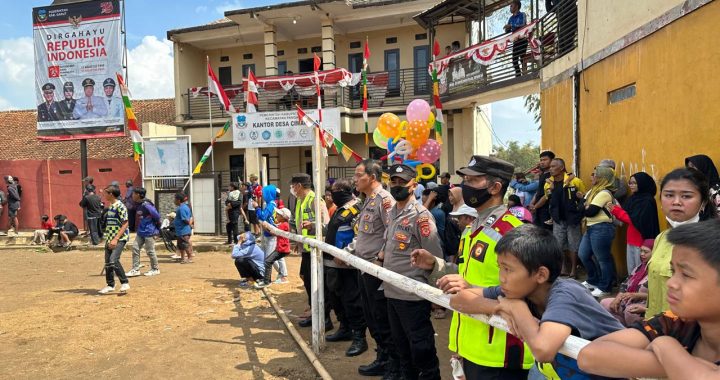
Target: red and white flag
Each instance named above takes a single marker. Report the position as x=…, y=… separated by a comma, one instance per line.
x=214, y=87
x=251, y=93
x=304, y=118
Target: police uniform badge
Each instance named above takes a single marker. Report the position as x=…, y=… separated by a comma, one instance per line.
x=424, y=224
x=479, y=250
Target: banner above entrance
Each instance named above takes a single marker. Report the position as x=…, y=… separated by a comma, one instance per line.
x=280, y=129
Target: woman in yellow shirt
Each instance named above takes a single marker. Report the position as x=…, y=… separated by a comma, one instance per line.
x=684, y=198
x=600, y=234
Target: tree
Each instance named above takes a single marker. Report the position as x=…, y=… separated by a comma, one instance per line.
x=532, y=105
x=524, y=157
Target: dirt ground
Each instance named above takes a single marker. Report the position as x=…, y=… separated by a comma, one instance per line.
x=191, y=321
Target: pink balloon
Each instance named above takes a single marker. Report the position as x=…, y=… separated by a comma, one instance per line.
x=418, y=109
x=429, y=152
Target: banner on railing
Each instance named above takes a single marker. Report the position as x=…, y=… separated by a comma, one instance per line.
x=280, y=128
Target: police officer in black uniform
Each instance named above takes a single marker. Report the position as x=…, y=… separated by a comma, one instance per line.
x=48, y=111
x=67, y=105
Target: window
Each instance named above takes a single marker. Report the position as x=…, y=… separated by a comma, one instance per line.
x=282, y=67
x=225, y=75
x=237, y=167
x=302, y=50
x=245, y=68
x=392, y=66
x=421, y=59
x=65, y=171
x=355, y=45
x=224, y=58
x=280, y=53
x=421, y=36
x=247, y=56
x=621, y=94
x=316, y=49
x=105, y=170
x=306, y=65
x=391, y=40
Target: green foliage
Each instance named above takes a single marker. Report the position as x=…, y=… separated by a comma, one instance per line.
x=532, y=105
x=524, y=157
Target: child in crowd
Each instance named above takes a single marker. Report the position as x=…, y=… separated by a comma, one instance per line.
x=282, y=249
x=516, y=208
x=680, y=343
x=249, y=259
x=540, y=308
x=40, y=236
x=183, y=223
x=629, y=305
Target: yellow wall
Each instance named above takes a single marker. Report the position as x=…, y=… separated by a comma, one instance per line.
x=557, y=119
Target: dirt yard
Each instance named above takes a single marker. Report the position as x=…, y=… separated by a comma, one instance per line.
x=191, y=321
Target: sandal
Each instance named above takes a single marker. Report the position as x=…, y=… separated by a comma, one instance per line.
x=183, y=262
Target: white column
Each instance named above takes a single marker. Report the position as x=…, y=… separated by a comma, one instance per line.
x=328, y=44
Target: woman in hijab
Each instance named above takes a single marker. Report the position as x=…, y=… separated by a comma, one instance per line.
x=640, y=213
x=600, y=233
x=705, y=165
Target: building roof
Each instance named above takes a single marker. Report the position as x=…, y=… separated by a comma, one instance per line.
x=18, y=129
x=464, y=9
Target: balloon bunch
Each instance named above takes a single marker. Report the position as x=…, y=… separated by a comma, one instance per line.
x=408, y=141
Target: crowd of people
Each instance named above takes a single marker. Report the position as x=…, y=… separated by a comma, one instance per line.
x=513, y=244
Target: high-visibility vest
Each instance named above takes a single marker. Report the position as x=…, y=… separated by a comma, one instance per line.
x=474, y=340
x=305, y=211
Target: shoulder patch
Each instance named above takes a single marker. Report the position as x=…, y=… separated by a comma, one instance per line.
x=424, y=224
x=387, y=203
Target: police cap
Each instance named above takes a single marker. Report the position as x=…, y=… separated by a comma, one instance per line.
x=485, y=165
x=402, y=171
x=69, y=86
x=88, y=82
x=108, y=82
x=48, y=87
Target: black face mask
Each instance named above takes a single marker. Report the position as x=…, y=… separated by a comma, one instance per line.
x=341, y=197
x=475, y=197
x=400, y=193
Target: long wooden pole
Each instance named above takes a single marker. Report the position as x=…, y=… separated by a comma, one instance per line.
x=317, y=285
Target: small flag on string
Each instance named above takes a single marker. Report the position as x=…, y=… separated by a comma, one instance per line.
x=251, y=93
x=209, y=150
x=132, y=121
x=304, y=118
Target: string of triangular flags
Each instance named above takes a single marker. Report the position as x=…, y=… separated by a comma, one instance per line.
x=209, y=150
x=132, y=120
x=328, y=140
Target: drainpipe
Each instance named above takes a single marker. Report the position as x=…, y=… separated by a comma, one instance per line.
x=576, y=123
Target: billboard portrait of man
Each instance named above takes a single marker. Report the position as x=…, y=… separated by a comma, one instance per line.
x=48, y=110
x=90, y=106
x=67, y=105
x=114, y=103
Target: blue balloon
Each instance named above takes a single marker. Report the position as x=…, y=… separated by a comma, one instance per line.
x=412, y=163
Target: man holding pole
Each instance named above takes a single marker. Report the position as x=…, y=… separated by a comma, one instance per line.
x=487, y=353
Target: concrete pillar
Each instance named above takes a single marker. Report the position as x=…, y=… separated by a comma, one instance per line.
x=270, y=51
x=328, y=44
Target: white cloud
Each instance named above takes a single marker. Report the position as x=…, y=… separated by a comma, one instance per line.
x=150, y=69
x=511, y=121
x=200, y=9
x=228, y=6
x=17, y=77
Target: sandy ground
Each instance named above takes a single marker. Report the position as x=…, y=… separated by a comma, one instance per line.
x=189, y=322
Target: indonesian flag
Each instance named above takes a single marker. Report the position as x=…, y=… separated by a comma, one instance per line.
x=214, y=87
x=304, y=118
x=252, y=92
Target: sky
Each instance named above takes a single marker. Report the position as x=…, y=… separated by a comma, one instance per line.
x=150, y=60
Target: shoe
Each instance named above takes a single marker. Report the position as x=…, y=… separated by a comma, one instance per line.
x=377, y=367
x=281, y=280
x=106, y=290
x=358, y=345
x=152, y=272
x=342, y=334
x=261, y=284
x=587, y=285
x=597, y=293
x=392, y=371
x=124, y=288
x=175, y=257
x=133, y=273
x=244, y=284
x=307, y=322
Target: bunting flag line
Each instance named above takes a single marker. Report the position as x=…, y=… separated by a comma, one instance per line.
x=251, y=93
x=209, y=150
x=436, y=96
x=214, y=87
x=337, y=145
x=366, y=57
x=132, y=121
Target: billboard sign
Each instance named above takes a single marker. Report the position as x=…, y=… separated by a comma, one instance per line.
x=280, y=128
x=78, y=51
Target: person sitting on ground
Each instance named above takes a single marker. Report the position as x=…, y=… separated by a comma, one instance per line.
x=678, y=343
x=40, y=236
x=629, y=305
x=516, y=208
x=249, y=259
x=67, y=232
x=539, y=308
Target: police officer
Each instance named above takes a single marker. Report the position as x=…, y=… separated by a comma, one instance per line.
x=89, y=106
x=370, y=226
x=341, y=281
x=67, y=105
x=485, y=180
x=410, y=227
x=114, y=103
x=48, y=110
x=301, y=187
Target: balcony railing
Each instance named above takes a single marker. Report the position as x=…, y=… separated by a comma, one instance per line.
x=556, y=33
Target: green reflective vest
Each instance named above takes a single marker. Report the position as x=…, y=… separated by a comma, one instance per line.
x=305, y=211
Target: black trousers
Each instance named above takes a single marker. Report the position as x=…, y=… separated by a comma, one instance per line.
x=247, y=268
x=93, y=224
x=478, y=372
x=231, y=227
x=375, y=306
x=132, y=212
x=519, y=49
x=269, y=260
x=414, y=337
x=343, y=294
x=305, y=272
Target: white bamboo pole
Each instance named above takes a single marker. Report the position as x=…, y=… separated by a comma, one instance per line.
x=317, y=278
